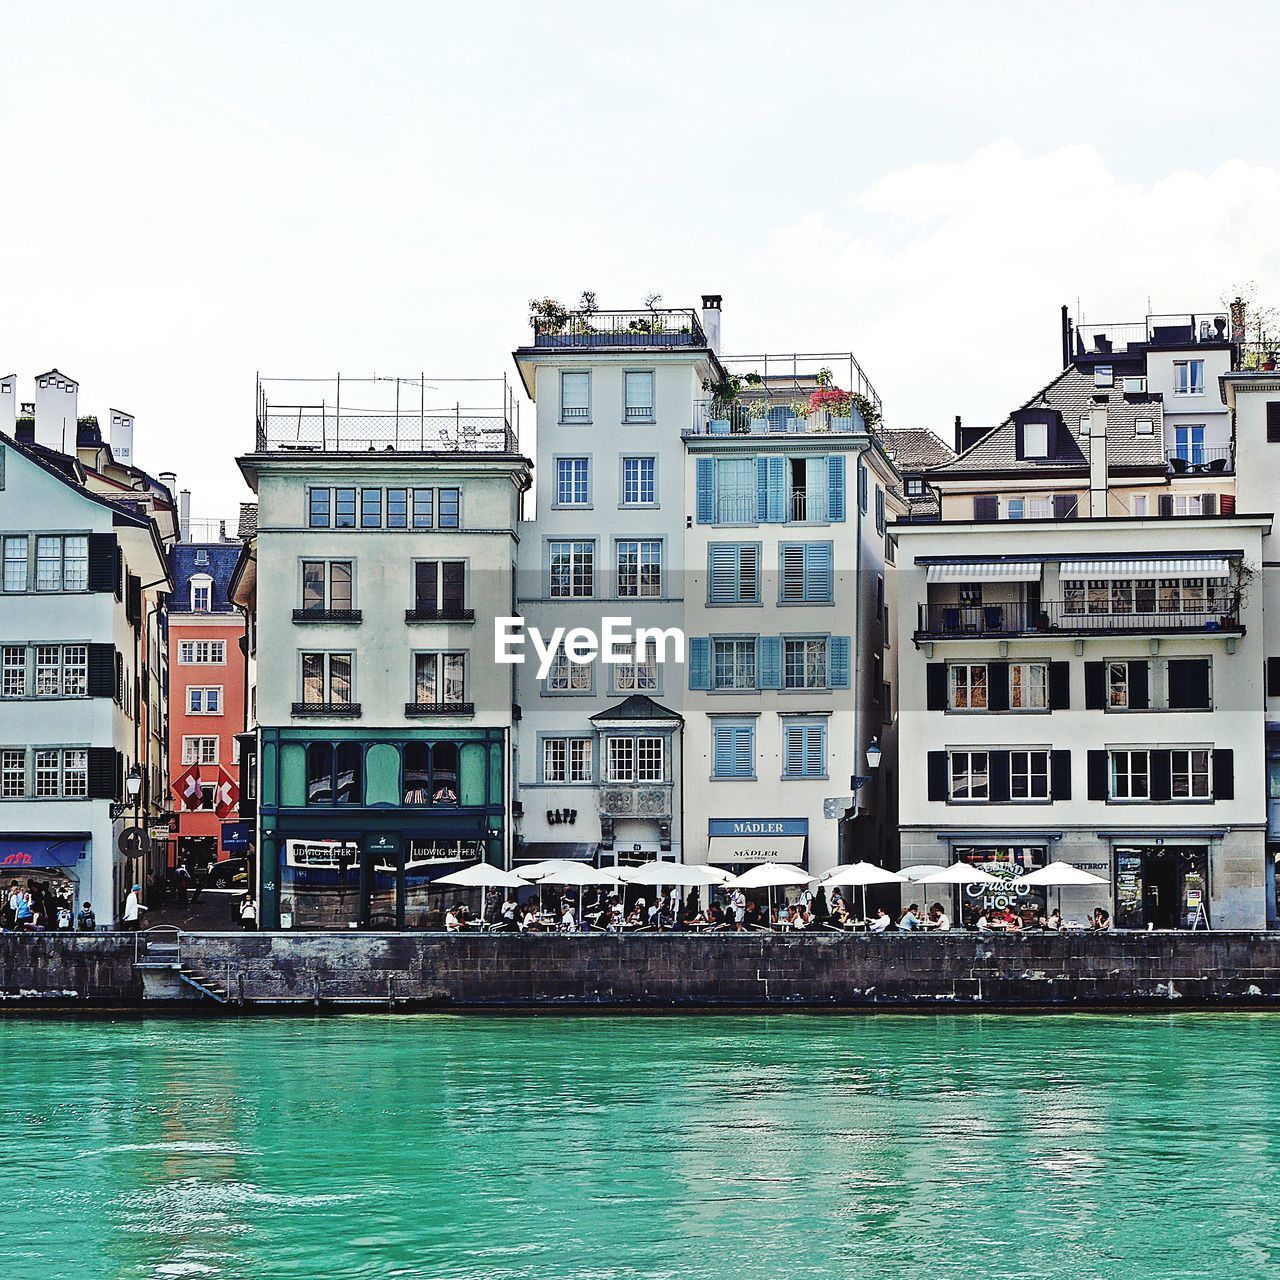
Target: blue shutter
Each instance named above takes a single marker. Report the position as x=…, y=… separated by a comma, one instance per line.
x=815, y=750
x=722, y=572
x=762, y=489
x=700, y=663
x=835, y=487
x=838, y=662
x=793, y=757
x=817, y=572
x=733, y=751
x=748, y=591
x=769, y=662
x=777, y=490
x=706, y=503
x=722, y=743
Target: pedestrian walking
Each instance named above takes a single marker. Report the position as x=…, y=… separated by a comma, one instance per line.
x=134, y=909
x=87, y=921
x=248, y=913
x=181, y=883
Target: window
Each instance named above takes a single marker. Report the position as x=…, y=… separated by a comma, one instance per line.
x=1187, y=504
x=804, y=663
x=1028, y=686
x=439, y=679
x=204, y=702
x=639, y=568
x=566, y=760
x=1190, y=775
x=344, y=508
x=439, y=587
x=968, y=686
x=880, y=513
x=13, y=774
x=575, y=397
x=1028, y=775
x=201, y=593
x=736, y=501
x=75, y=774
x=1035, y=439
x=200, y=750
x=804, y=749
x=1188, y=377
x=1141, y=504
x=1029, y=508
x=1103, y=375
x=431, y=773
x=639, y=674
x=15, y=564
x=318, y=503
x=733, y=750
x=397, y=508
x=915, y=487
x=424, y=508
x=1143, y=427
x=573, y=488
x=1086, y=423
x=335, y=776
x=733, y=573
x=13, y=671
x=806, y=573
x=203, y=653
x=639, y=482
x=326, y=585
x=733, y=664
x=862, y=487
x=62, y=564
x=48, y=774
x=568, y=677
x=572, y=569
x=1118, y=685
x=60, y=670
x=449, y=504
x=371, y=508
x=1188, y=445
x=1130, y=775
x=634, y=759
x=61, y=773
x=970, y=776
x=637, y=397
x=326, y=679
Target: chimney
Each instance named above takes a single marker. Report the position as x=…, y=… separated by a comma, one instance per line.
x=184, y=515
x=1098, y=461
x=711, y=321
x=56, y=400
x=959, y=435
x=121, y=437
x=1066, y=338
x=1238, y=316
x=8, y=404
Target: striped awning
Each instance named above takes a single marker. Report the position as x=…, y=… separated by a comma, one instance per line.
x=994, y=571
x=1162, y=568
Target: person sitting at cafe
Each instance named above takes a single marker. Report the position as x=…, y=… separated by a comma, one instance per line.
x=1014, y=922
x=638, y=914
x=839, y=913
x=983, y=923
x=529, y=918
x=1053, y=921
x=910, y=920
x=452, y=920
x=880, y=922
x=938, y=919
x=1100, y=920
x=568, y=923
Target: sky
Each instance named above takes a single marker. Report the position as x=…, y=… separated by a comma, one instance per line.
x=189, y=196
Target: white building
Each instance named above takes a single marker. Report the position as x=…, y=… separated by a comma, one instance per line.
x=1080, y=647
x=81, y=589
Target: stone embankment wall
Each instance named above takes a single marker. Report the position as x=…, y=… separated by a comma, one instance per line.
x=959, y=970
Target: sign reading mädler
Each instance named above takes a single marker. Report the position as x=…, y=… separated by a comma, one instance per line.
x=743, y=840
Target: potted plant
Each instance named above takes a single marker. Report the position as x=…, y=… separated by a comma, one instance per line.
x=867, y=411
x=798, y=414
x=547, y=316
x=758, y=416
x=833, y=408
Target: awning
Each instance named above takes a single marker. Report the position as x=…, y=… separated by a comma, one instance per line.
x=40, y=853
x=995, y=571
x=730, y=851
x=1164, y=568
x=541, y=850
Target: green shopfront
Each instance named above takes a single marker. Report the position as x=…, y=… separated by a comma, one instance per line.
x=357, y=824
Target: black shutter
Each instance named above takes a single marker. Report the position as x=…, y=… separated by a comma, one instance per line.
x=452, y=579
x=1097, y=775
x=1060, y=775
x=425, y=598
x=102, y=671
x=133, y=599
x=1095, y=685
x=106, y=774
x=1161, y=774
x=1059, y=686
x=1273, y=677
x=1224, y=774
x=1139, y=686
x=997, y=686
x=937, y=775
x=102, y=562
x=986, y=506
x=1066, y=506
x=1208, y=504
x=998, y=775
x=1019, y=441
x=1273, y=421
x=1166, y=504
x=935, y=686
x=1189, y=684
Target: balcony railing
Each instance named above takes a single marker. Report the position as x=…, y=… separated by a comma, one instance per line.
x=1184, y=329
x=801, y=507
x=439, y=708
x=965, y=622
x=439, y=615
x=667, y=327
x=327, y=615
x=326, y=708
x=1200, y=460
x=715, y=418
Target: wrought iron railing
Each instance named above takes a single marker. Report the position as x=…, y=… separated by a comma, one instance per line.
x=326, y=708
x=439, y=708
x=439, y=615
x=327, y=615
x=1206, y=459
x=677, y=327
x=964, y=621
x=801, y=507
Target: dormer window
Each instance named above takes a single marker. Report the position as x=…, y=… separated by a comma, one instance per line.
x=915, y=487
x=1035, y=440
x=201, y=593
x=1103, y=375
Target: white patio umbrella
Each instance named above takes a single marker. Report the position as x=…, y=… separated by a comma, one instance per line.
x=1061, y=875
x=577, y=874
x=536, y=870
x=691, y=875
x=912, y=874
x=766, y=875
x=959, y=873
x=860, y=874
x=482, y=875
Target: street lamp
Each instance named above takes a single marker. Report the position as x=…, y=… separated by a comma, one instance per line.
x=133, y=784
x=873, y=756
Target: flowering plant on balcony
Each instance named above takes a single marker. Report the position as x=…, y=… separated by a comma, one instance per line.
x=831, y=399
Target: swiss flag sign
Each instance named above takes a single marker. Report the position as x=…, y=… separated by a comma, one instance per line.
x=226, y=795
x=188, y=789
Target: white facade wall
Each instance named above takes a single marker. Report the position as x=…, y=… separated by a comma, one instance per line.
x=1203, y=409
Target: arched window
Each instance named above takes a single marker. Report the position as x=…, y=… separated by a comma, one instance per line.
x=417, y=773
x=201, y=593
x=444, y=773
x=431, y=773
x=350, y=781
x=320, y=773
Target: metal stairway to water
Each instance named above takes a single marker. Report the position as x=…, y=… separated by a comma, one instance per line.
x=158, y=959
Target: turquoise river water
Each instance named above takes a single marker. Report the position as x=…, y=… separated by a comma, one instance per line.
x=659, y=1147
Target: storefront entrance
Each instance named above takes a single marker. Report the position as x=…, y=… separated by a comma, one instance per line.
x=1162, y=886
x=1008, y=863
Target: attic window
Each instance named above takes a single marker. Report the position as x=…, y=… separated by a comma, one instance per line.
x=201, y=593
x=1035, y=439
x=1102, y=375
x=1142, y=427
x=915, y=487
x=202, y=557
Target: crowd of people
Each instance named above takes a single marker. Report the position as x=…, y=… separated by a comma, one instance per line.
x=43, y=906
